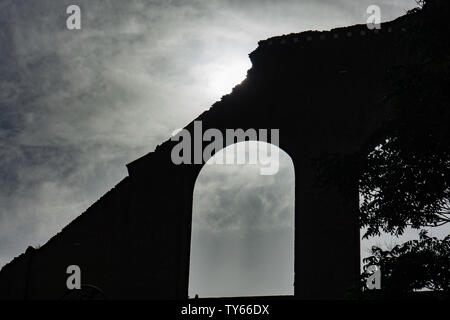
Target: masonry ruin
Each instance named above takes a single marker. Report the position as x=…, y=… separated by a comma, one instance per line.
x=322, y=90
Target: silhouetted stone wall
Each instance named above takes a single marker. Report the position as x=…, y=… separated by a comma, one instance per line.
x=323, y=91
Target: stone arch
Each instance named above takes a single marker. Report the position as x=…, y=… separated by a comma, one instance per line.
x=325, y=94
x=318, y=206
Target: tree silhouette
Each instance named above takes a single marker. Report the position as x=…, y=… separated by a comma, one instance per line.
x=414, y=265
x=405, y=180
x=406, y=177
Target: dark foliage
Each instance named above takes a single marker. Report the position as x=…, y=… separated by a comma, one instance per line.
x=406, y=178
x=414, y=265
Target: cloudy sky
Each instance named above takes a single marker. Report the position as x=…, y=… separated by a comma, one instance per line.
x=76, y=106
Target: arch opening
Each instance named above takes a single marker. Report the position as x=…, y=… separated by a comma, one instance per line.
x=242, y=240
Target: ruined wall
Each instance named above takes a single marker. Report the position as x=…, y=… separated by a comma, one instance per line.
x=323, y=90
